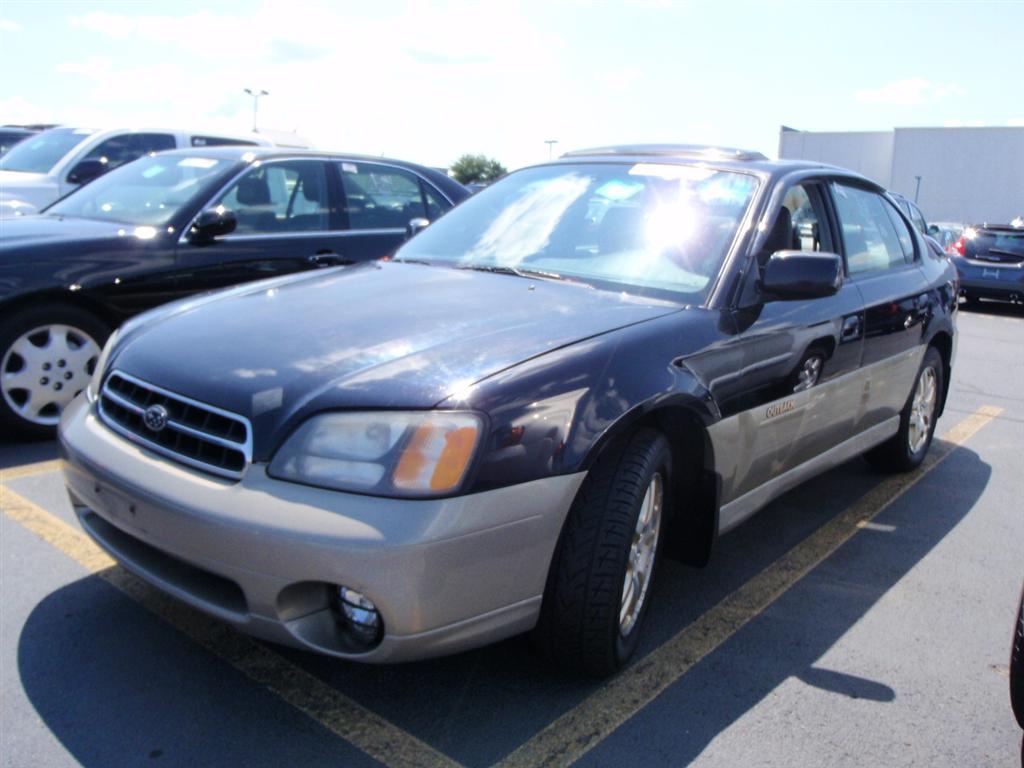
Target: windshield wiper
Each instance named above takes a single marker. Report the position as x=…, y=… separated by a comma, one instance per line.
x=415, y=261
x=502, y=270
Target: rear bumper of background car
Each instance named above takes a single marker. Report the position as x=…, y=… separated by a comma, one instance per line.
x=267, y=556
x=987, y=281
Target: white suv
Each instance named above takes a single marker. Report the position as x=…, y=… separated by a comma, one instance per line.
x=45, y=167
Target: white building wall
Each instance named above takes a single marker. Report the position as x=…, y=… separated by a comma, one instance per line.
x=866, y=152
x=967, y=174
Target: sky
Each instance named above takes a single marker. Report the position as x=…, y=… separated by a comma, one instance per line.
x=429, y=81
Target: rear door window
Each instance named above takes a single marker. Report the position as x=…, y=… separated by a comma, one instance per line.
x=381, y=196
x=220, y=141
x=125, y=147
x=870, y=239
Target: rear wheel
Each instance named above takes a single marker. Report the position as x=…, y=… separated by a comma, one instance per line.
x=47, y=356
x=598, y=588
x=907, y=448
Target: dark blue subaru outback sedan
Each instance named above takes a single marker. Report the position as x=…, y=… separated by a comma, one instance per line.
x=589, y=365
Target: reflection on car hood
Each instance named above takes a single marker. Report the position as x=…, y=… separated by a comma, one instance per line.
x=381, y=335
x=39, y=230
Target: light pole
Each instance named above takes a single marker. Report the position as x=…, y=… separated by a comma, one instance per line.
x=255, y=103
x=917, y=189
x=551, y=145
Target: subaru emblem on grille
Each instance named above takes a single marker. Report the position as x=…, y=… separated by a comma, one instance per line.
x=155, y=418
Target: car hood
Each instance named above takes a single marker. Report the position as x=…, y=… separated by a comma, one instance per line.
x=26, y=192
x=378, y=335
x=44, y=230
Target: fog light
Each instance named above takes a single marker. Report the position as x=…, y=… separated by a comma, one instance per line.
x=359, y=616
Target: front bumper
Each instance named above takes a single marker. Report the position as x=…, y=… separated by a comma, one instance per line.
x=263, y=555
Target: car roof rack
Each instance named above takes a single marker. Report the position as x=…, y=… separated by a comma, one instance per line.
x=696, y=151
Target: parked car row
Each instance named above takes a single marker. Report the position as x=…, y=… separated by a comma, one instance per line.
x=176, y=223
x=48, y=165
x=584, y=367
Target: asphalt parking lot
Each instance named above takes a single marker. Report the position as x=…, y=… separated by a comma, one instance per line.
x=861, y=619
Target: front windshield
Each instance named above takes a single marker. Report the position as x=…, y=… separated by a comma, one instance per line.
x=39, y=153
x=148, y=191
x=640, y=227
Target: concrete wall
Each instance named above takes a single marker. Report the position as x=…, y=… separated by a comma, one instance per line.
x=967, y=174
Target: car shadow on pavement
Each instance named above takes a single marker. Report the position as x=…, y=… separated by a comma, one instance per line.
x=997, y=308
x=100, y=671
x=17, y=451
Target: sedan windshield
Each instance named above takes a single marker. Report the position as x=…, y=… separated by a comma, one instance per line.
x=41, y=152
x=148, y=191
x=638, y=227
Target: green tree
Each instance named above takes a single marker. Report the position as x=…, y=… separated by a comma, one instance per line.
x=477, y=168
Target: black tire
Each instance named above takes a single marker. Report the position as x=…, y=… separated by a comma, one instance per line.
x=12, y=328
x=579, y=625
x=1017, y=666
x=895, y=454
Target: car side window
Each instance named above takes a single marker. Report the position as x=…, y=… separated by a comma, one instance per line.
x=918, y=218
x=220, y=141
x=902, y=232
x=125, y=147
x=288, y=196
x=870, y=240
x=436, y=205
x=800, y=224
x=381, y=196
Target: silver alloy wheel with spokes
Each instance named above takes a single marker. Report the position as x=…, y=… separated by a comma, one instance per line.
x=922, y=410
x=43, y=370
x=643, y=548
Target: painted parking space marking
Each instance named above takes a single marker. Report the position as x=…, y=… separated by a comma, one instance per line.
x=365, y=730
x=571, y=735
x=581, y=729
x=28, y=470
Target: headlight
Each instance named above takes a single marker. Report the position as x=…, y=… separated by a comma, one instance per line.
x=93, y=390
x=386, y=453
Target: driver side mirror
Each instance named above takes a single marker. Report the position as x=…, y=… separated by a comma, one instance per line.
x=86, y=171
x=212, y=223
x=791, y=275
x=415, y=226
x=933, y=230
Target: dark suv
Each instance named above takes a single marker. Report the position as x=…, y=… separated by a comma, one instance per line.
x=586, y=365
x=172, y=224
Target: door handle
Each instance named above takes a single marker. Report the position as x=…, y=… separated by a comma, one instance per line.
x=851, y=329
x=327, y=258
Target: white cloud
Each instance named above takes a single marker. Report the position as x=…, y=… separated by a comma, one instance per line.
x=1015, y=121
x=20, y=111
x=424, y=84
x=6, y=25
x=911, y=92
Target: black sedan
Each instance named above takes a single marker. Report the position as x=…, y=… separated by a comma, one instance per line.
x=592, y=361
x=173, y=224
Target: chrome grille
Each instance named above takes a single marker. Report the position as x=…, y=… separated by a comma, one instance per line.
x=195, y=434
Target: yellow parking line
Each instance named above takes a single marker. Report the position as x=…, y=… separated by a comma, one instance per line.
x=581, y=729
x=377, y=737
x=27, y=470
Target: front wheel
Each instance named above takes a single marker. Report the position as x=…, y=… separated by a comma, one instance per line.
x=47, y=356
x=599, y=585
x=1017, y=666
x=906, y=449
